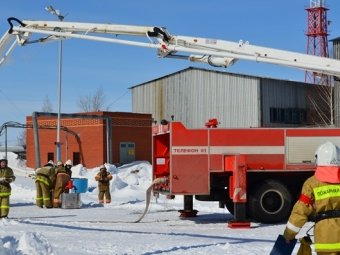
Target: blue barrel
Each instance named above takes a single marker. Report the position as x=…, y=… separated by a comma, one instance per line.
x=80, y=185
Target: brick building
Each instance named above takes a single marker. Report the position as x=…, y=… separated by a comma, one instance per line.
x=84, y=137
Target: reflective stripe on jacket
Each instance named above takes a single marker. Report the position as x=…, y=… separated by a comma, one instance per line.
x=45, y=180
x=5, y=194
x=45, y=175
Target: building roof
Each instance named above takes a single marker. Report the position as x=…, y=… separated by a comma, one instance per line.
x=212, y=71
x=335, y=39
x=12, y=148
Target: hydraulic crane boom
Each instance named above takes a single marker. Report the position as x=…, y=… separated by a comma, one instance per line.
x=211, y=51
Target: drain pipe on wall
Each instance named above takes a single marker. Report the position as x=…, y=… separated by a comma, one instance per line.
x=108, y=122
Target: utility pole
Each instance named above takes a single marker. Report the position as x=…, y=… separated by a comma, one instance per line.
x=61, y=17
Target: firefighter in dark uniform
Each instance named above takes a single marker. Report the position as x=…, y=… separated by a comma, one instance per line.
x=6, y=177
x=44, y=183
x=320, y=196
x=68, y=170
x=103, y=178
x=62, y=178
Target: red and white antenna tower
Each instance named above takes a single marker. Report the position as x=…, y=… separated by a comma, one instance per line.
x=317, y=42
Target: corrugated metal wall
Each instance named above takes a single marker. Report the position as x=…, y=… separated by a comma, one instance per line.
x=336, y=48
x=281, y=94
x=337, y=103
x=195, y=95
x=336, y=55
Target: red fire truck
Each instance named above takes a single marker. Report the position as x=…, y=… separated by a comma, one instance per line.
x=256, y=173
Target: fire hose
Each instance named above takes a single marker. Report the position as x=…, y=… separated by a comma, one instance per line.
x=148, y=196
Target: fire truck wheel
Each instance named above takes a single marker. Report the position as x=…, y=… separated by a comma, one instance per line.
x=270, y=202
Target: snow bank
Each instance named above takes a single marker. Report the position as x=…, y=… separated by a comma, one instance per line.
x=130, y=178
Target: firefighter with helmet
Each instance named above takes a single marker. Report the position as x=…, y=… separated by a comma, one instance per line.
x=103, y=177
x=320, y=195
x=6, y=177
x=62, y=178
x=44, y=183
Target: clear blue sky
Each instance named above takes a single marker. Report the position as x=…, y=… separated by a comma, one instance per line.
x=31, y=73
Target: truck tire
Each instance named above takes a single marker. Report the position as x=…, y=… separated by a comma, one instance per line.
x=229, y=204
x=270, y=202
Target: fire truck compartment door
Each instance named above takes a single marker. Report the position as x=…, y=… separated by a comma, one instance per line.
x=189, y=167
x=190, y=174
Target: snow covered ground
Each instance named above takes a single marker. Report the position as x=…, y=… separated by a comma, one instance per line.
x=109, y=229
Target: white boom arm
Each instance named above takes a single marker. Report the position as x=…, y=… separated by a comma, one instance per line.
x=214, y=52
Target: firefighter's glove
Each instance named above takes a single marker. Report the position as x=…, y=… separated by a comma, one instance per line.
x=289, y=234
x=32, y=176
x=305, y=248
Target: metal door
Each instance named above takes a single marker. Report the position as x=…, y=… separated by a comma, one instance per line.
x=126, y=152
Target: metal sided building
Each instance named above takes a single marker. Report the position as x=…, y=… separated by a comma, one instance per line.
x=336, y=55
x=336, y=48
x=194, y=95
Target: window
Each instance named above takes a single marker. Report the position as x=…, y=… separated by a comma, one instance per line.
x=50, y=156
x=76, y=158
x=127, y=152
x=288, y=115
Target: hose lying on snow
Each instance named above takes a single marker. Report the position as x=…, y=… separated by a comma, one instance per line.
x=148, y=196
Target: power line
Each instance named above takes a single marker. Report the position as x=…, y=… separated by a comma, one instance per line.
x=115, y=101
x=11, y=101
